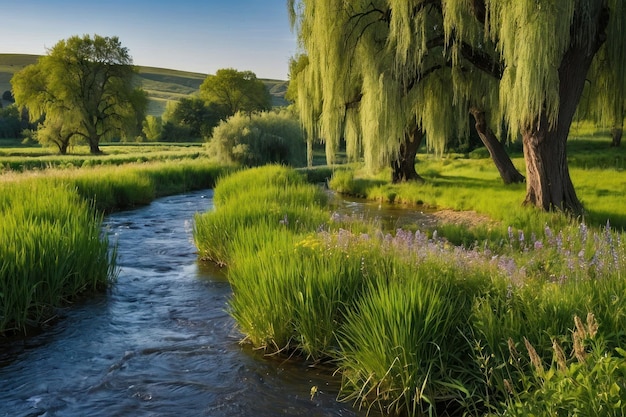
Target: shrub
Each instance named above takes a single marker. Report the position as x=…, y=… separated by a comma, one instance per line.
x=258, y=139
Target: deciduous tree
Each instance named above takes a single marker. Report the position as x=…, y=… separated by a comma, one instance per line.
x=236, y=91
x=84, y=87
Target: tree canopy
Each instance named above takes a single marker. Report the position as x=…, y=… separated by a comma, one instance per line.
x=84, y=88
x=378, y=70
x=234, y=91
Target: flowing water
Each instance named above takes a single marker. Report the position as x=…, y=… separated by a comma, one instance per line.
x=159, y=343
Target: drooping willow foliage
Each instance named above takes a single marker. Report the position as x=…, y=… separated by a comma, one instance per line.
x=605, y=99
x=406, y=63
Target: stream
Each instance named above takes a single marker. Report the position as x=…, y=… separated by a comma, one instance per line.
x=159, y=342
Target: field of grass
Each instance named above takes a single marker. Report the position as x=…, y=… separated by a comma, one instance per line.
x=524, y=321
x=17, y=157
x=161, y=84
x=51, y=243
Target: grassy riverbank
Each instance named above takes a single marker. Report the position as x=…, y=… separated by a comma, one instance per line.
x=51, y=244
x=520, y=325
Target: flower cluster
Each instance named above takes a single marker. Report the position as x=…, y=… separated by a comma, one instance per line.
x=574, y=253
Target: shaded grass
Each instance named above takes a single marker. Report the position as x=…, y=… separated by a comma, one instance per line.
x=474, y=185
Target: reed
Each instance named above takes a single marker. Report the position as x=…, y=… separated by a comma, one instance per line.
x=52, y=251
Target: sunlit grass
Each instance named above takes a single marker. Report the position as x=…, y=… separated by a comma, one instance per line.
x=52, y=250
x=416, y=324
x=36, y=157
x=51, y=243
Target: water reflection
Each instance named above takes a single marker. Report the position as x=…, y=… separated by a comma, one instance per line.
x=389, y=217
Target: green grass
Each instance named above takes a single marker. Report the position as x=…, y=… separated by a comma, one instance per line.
x=51, y=242
x=52, y=252
x=23, y=158
x=415, y=324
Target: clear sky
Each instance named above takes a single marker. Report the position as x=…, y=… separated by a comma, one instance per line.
x=190, y=35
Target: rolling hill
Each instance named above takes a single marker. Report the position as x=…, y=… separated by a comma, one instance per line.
x=162, y=85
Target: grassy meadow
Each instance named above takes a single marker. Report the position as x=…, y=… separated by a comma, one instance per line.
x=521, y=313
x=507, y=312
x=52, y=207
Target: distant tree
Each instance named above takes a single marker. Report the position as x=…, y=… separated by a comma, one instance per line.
x=260, y=138
x=198, y=116
x=133, y=125
x=84, y=87
x=55, y=132
x=236, y=91
x=10, y=122
x=8, y=96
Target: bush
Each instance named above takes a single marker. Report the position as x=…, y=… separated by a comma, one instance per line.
x=258, y=139
x=10, y=123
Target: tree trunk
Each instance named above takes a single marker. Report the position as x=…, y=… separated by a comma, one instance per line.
x=94, y=148
x=548, y=183
x=616, y=135
x=403, y=167
x=309, y=152
x=507, y=170
x=94, y=142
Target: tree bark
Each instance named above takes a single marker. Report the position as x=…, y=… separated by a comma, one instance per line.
x=403, y=167
x=548, y=182
x=94, y=141
x=616, y=136
x=94, y=148
x=508, y=172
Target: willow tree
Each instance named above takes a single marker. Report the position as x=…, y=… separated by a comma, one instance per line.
x=382, y=78
x=543, y=80
x=398, y=52
x=353, y=87
x=84, y=87
x=604, y=99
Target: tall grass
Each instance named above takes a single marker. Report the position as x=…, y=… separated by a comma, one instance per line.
x=51, y=245
x=416, y=324
x=274, y=196
x=52, y=250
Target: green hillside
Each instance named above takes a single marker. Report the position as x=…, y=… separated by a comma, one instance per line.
x=162, y=85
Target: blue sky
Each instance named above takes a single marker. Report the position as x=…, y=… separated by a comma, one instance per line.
x=191, y=35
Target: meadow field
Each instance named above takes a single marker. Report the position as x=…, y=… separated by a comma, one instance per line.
x=495, y=309
x=503, y=310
